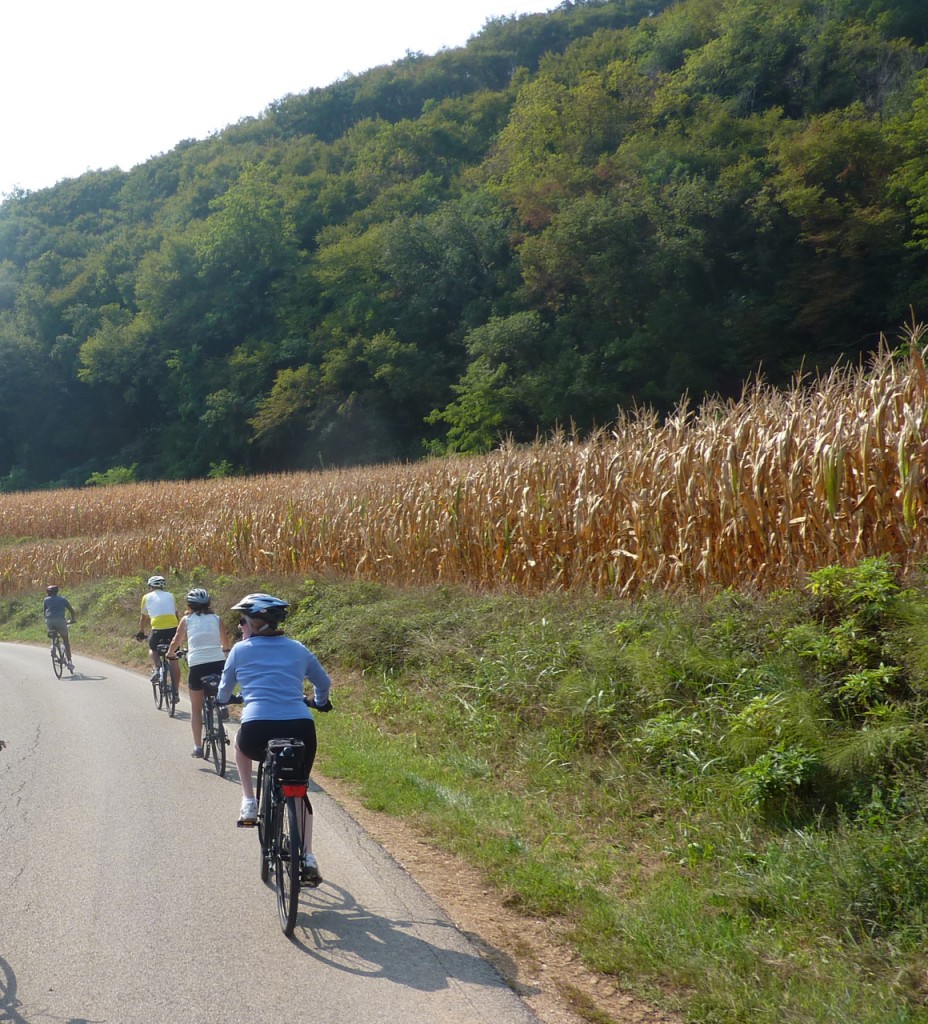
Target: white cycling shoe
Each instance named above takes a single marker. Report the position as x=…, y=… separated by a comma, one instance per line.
x=309, y=870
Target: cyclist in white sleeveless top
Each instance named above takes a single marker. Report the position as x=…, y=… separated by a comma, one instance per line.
x=204, y=635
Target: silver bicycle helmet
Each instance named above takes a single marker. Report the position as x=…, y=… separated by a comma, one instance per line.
x=198, y=597
x=263, y=606
x=156, y=581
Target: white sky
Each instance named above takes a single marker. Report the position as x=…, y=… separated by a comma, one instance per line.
x=104, y=83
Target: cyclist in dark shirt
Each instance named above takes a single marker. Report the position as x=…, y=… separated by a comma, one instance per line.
x=57, y=609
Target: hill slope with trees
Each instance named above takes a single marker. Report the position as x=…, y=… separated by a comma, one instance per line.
x=610, y=205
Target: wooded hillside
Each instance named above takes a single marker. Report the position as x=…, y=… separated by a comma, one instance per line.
x=603, y=207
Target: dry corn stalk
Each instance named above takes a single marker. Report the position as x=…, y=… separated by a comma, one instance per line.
x=749, y=493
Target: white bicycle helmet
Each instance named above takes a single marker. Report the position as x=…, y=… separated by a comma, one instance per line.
x=156, y=581
x=263, y=606
x=198, y=597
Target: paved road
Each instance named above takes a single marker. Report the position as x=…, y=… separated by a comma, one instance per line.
x=128, y=896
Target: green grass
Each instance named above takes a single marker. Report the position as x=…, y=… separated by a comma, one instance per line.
x=723, y=802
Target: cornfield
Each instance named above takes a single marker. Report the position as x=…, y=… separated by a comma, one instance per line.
x=752, y=493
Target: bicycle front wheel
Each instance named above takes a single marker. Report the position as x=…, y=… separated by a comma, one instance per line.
x=57, y=657
x=220, y=742
x=169, y=692
x=214, y=738
x=262, y=788
x=289, y=850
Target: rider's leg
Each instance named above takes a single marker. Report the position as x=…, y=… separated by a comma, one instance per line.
x=244, y=764
x=196, y=716
x=306, y=826
x=153, y=653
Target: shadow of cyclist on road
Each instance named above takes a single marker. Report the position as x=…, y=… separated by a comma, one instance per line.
x=335, y=929
x=10, y=1004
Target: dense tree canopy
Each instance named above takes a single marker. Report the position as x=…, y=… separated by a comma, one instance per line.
x=616, y=203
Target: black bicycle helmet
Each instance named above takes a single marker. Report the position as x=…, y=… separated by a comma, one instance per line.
x=198, y=598
x=156, y=581
x=52, y=588
x=263, y=606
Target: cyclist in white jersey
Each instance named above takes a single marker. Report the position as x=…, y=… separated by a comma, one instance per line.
x=160, y=611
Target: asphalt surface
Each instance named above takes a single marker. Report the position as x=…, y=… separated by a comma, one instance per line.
x=128, y=896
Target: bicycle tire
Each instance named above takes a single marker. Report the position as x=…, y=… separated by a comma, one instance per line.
x=221, y=742
x=214, y=737
x=164, y=685
x=264, y=803
x=208, y=738
x=58, y=661
x=156, y=692
x=160, y=685
x=287, y=864
x=169, y=690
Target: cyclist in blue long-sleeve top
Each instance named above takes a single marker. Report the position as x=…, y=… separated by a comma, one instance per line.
x=59, y=615
x=269, y=669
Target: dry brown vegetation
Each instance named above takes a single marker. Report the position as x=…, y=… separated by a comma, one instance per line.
x=755, y=492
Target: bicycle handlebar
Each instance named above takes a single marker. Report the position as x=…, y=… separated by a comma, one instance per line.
x=310, y=702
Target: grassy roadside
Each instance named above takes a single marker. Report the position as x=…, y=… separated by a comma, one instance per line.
x=723, y=801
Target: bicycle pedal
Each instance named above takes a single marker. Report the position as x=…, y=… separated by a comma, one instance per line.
x=246, y=824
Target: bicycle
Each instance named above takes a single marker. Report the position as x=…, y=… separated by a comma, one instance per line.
x=215, y=739
x=162, y=686
x=282, y=798
x=59, y=659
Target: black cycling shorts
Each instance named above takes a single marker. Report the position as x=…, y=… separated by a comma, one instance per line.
x=253, y=737
x=161, y=636
x=197, y=672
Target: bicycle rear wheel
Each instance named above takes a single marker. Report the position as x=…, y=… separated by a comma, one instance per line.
x=58, y=661
x=287, y=864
